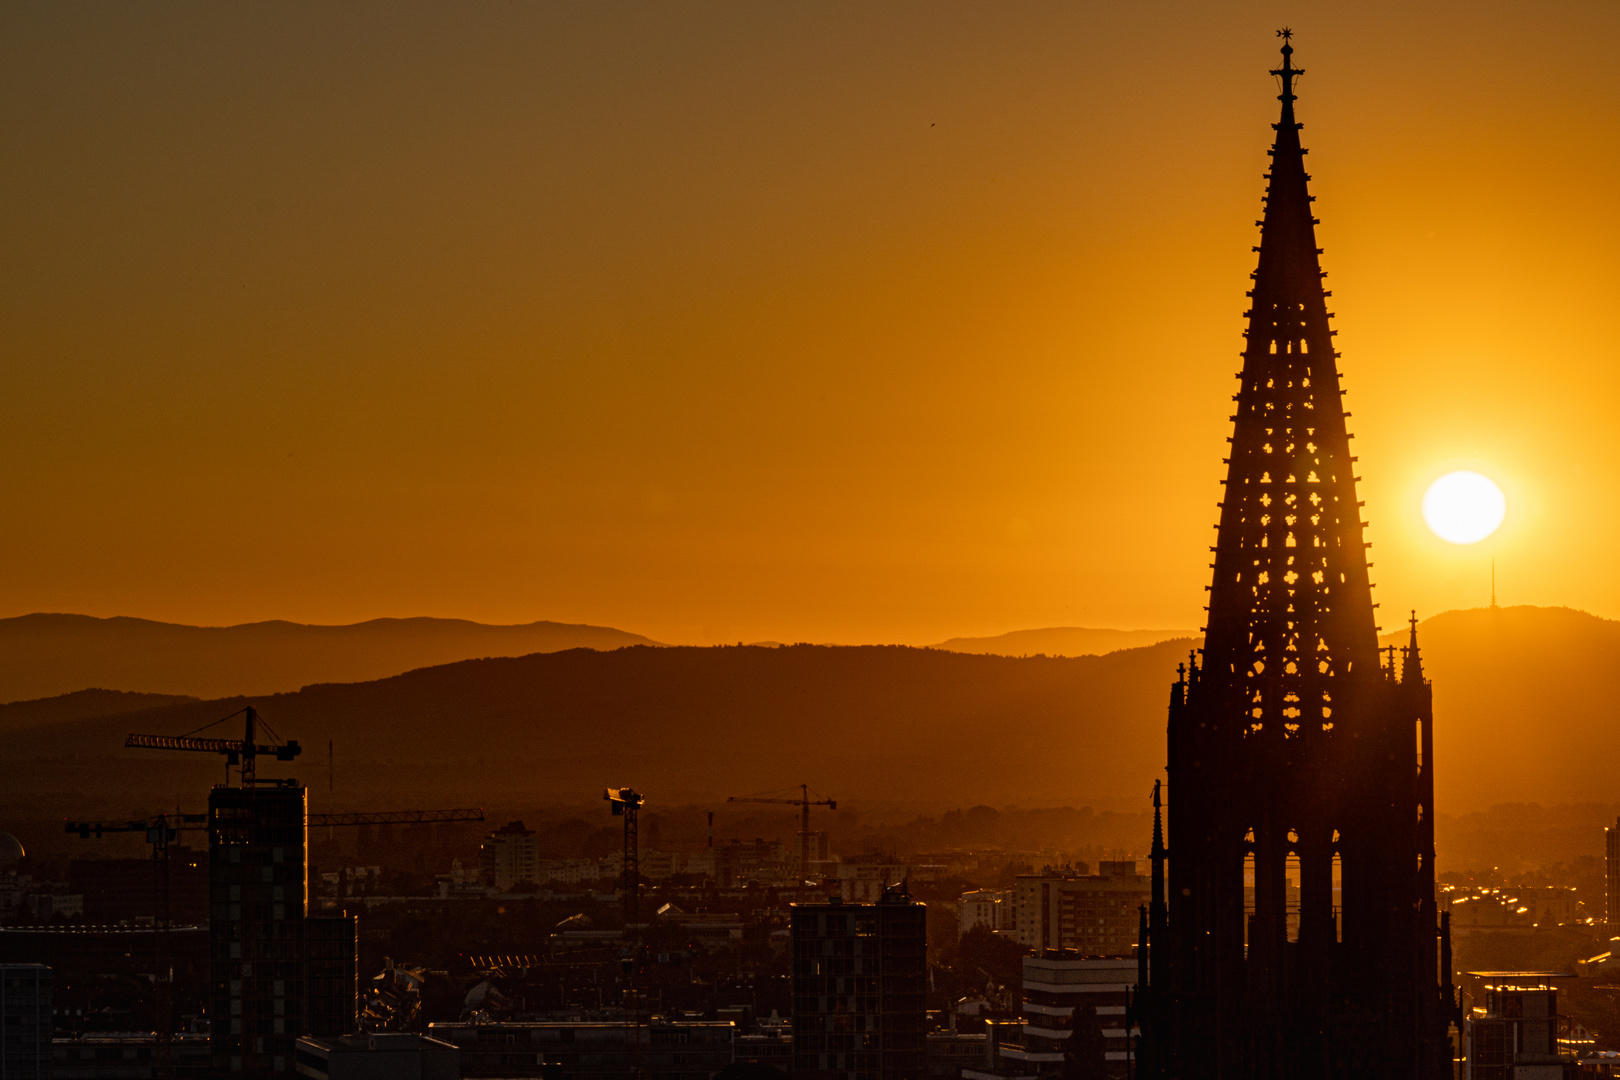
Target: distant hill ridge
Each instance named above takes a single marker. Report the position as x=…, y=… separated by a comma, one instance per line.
x=1525, y=710
x=43, y=655
x=1061, y=641
x=81, y=705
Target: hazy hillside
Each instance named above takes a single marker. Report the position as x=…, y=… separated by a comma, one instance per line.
x=80, y=705
x=1525, y=698
x=1527, y=706
x=685, y=724
x=42, y=655
x=1061, y=641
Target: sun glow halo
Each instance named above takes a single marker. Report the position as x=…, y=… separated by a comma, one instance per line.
x=1464, y=507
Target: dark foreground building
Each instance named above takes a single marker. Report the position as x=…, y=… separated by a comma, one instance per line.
x=859, y=989
x=275, y=972
x=1297, y=934
x=25, y=1021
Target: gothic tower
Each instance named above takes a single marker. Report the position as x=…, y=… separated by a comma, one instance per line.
x=1295, y=932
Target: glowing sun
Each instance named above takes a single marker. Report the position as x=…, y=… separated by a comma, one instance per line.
x=1464, y=507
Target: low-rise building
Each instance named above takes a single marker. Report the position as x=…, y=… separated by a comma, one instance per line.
x=653, y=865
x=391, y=1056
x=1073, y=1010
x=1515, y=1035
x=994, y=910
x=1093, y=914
x=764, y=861
x=947, y=1053
x=130, y=1055
x=693, y=1050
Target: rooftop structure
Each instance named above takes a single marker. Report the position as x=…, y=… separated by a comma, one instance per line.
x=1514, y=1036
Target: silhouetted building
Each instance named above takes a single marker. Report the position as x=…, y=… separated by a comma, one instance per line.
x=739, y=861
x=694, y=1050
x=1074, y=1020
x=509, y=855
x=137, y=953
x=393, y=1056
x=1515, y=1036
x=995, y=910
x=1293, y=753
x=331, y=974
x=122, y=890
x=259, y=961
x=1093, y=914
x=129, y=1055
x=25, y=1022
x=859, y=986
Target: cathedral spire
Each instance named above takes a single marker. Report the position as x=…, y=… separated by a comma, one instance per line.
x=1412, y=670
x=1294, y=761
x=1290, y=608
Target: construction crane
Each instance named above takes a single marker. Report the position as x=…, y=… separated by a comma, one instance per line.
x=804, y=803
x=626, y=803
x=163, y=829
x=242, y=752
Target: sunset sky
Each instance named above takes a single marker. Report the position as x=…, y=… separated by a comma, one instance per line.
x=833, y=322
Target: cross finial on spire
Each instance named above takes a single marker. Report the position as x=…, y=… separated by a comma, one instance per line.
x=1288, y=71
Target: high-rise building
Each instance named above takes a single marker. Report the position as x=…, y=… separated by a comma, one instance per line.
x=25, y=1022
x=261, y=959
x=509, y=855
x=258, y=890
x=1293, y=752
x=859, y=988
x=1092, y=914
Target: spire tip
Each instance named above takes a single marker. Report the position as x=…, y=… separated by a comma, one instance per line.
x=1288, y=71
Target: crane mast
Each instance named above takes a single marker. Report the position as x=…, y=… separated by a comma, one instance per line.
x=804, y=803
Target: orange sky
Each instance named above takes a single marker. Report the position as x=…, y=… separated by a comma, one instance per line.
x=834, y=322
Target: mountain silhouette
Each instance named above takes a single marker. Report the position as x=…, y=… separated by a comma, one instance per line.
x=1061, y=641
x=81, y=705
x=1524, y=706
x=682, y=724
x=43, y=655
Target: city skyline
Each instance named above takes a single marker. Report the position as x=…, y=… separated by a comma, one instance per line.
x=577, y=542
